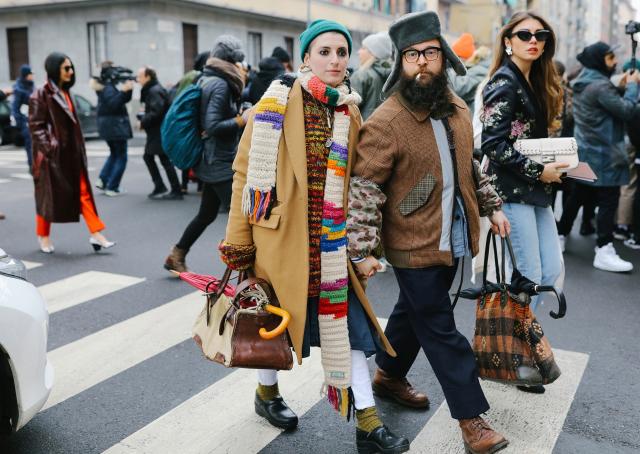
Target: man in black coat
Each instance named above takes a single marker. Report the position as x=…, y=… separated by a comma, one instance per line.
x=113, y=126
x=156, y=104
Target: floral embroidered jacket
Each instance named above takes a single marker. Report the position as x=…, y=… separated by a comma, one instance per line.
x=512, y=111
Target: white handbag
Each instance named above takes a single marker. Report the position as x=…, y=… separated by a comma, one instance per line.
x=544, y=151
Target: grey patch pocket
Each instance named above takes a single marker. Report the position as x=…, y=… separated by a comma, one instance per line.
x=418, y=196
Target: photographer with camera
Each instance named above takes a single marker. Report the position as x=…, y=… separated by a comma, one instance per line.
x=156, y=103
x=600, y=113
x=113, y=123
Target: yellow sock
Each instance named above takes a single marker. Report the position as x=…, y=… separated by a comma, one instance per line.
x=367, y=419
x=268, y=392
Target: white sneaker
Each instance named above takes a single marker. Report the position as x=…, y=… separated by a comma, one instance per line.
x=607, y=259
x=114, y=193
x=633, y=243
x=563, y=241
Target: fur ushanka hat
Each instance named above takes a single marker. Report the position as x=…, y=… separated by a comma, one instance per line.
x=414, y=28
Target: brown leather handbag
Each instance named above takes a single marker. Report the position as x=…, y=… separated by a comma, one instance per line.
x=248, y=331
x=509, y=344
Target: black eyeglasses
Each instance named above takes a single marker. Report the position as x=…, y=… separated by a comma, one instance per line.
x=67, y=68
x=525, y=35
x=413, y=55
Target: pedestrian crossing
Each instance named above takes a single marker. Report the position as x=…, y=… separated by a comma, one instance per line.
x=220, y=417
x=83, y=287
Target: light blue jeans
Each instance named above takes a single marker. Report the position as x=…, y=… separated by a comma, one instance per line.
x=534, y=237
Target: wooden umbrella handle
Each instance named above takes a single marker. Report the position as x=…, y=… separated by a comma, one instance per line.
x=286, y=317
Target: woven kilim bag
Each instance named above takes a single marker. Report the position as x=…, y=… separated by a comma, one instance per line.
x=509, y=344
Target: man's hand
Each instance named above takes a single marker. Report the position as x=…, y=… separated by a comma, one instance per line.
x=633, y=77
x=500, y=224
x=368, y=267
x=127, y=86
x=552, y=172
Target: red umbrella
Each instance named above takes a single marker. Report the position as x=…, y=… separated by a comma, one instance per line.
x=200, y=281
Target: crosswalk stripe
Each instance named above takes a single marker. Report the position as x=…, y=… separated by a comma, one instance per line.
x=532, y=423
x=83, y=287
x=226, y=406
x=31, y=265
x=101, y=355
x=4, y=180
x=22, y=176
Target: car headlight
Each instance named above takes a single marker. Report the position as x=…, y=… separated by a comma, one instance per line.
x=12, y=266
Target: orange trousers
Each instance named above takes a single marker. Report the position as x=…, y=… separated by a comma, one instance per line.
x=94, y=223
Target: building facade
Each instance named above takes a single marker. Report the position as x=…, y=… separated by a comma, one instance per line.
x=167, y=34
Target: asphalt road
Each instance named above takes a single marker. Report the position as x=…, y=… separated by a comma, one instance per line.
x=139, y=399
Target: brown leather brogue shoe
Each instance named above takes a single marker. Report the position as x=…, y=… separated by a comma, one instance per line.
x=398, y=389
x=480, y=438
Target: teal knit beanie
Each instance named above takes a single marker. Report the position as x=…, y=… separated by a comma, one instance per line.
x=318, y=27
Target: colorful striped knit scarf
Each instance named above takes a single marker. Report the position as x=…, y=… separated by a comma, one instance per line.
x=259, y=195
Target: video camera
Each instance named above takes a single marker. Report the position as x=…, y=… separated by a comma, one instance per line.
x=631, y=29
x=115, y=74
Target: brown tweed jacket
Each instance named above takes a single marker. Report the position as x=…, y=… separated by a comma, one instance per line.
x=398, y=157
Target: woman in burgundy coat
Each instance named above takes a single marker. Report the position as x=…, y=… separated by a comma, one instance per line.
x=62, y=187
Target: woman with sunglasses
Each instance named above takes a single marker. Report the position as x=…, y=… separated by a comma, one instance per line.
x=62, y=187
x=521, y=101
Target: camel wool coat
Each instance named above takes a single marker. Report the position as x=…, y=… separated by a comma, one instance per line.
x=282, y=241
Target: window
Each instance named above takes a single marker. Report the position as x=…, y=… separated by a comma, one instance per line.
x=82, y=105
x=18, y=43
x=189, y=45
x=254, y=49
x=97, y=46
x=288, y=44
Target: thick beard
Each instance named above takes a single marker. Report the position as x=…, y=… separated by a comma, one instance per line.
x=434, y=97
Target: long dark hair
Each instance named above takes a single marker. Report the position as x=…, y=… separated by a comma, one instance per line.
x=52, y=65
x=544, y=77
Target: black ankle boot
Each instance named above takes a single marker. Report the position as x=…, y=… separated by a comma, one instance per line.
x=277, y=412
x=157, y=192
x=380, y=440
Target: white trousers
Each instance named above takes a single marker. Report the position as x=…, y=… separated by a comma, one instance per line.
x=360, y=380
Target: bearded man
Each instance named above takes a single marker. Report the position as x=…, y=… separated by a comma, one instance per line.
x=416, y=189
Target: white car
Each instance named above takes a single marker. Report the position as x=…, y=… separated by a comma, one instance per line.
x=26, y=375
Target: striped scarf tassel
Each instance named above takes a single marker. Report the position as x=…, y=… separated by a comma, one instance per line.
x=257, y=204
x=342, y=400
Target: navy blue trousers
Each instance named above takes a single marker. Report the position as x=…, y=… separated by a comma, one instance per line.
x=423, y=318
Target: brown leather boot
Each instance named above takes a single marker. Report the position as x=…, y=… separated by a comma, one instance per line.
x=480, y=438
x=176, y=260
x=398, y=389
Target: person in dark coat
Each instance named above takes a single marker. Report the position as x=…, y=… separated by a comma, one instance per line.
x=600, y=113
x=284, y=57
x=270, y=68
x=156, y=103
x=113, y=126
x=62, y=188
x=221, y=123
x=22, y=90
x=3, y=95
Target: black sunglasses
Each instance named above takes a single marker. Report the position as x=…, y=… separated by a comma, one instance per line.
x=67, y=68
x=525, y=35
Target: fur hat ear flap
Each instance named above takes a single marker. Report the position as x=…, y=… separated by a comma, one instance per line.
x=395, y=73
